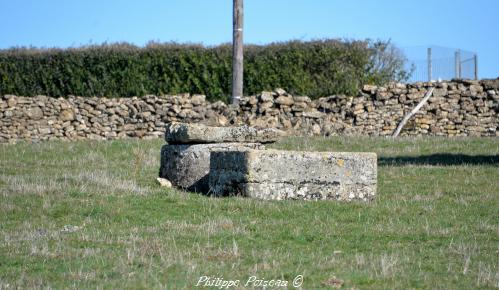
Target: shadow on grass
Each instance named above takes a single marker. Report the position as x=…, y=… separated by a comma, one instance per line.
x=442, y=159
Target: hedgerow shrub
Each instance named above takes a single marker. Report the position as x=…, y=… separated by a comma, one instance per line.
x=315, y=68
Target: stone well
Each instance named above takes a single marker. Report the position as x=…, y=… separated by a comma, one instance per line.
x=225, y=161
x=185, y=160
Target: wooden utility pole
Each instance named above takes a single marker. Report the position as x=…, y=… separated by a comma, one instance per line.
x=237, y=51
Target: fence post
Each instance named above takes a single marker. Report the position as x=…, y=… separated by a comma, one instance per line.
x=457, y=63
x=476, y=66
x=430, y=69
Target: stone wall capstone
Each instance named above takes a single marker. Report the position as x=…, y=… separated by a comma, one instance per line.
x=457, y=108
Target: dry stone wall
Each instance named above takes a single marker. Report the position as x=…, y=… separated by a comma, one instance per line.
x=458, y=108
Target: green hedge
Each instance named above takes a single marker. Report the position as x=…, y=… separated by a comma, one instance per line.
x=316, y=68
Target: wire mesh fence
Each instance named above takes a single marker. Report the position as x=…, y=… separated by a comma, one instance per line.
x=440, y=63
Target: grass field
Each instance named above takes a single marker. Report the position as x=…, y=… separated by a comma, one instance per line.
x=90, y=214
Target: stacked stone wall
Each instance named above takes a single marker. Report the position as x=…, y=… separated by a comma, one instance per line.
x=457, y=108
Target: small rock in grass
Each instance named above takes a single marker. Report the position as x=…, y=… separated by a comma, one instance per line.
x=163, y=182
x=70, y=229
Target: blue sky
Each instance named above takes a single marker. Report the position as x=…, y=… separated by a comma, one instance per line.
x=469, y=25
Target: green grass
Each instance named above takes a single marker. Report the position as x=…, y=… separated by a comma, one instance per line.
x=90, y=214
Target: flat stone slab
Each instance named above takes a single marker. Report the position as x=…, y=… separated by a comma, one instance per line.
x=187, y=165
x=278, y=175
x=181, y=133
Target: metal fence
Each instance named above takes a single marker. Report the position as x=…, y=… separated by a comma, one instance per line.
x=440, y=63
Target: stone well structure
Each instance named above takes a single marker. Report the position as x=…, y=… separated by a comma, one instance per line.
x=185, y=161
x=224, y=161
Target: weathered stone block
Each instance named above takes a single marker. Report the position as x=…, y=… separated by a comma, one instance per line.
x=187, y=166
x=181, y=133
x=273, y=174
x=266, y=97
x=285, y=101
